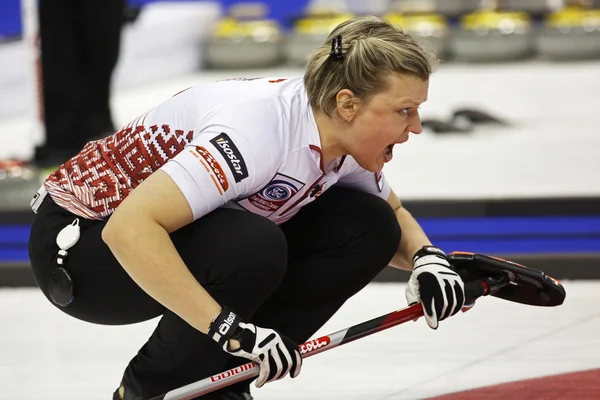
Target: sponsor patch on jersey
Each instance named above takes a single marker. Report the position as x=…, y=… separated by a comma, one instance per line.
x=213, y=168
x=273, y=196
x=379, y=180
x=232, y=155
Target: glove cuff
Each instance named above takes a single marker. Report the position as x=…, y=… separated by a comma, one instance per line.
x=429, y=251
x=224, y=326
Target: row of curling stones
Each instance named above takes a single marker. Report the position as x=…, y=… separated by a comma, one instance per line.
x=246, y=39
x=569, y=33
x=310, y=32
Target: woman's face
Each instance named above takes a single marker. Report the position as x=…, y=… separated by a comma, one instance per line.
x=385, y=120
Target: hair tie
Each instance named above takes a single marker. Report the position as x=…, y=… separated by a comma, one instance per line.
x=337, y=53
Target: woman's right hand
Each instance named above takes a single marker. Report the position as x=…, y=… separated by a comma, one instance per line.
x=275, y=354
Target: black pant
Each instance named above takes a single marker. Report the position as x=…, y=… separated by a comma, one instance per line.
x=292, y=277
x=80, y=41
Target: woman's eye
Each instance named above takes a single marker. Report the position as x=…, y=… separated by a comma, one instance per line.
x=405, y=111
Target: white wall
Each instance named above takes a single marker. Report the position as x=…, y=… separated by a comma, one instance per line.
x=552, y=149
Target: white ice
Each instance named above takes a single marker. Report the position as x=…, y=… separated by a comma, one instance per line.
x=45, y=354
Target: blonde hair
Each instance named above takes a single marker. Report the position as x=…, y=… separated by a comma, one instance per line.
x=373, y=48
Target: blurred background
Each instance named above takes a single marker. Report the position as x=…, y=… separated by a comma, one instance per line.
x=508, y=164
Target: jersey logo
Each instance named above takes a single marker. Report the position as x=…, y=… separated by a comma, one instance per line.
x=232, y=156
x=212, y=167
x=273, y=196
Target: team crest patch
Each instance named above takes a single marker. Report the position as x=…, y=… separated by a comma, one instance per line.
x=273, y=196
x=379, y=180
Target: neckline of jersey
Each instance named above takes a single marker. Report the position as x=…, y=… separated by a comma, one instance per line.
x=314, y=138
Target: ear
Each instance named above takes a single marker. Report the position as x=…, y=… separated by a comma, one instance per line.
x=347, y=104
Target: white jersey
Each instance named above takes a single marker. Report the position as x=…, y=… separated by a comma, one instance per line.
x=251, y=144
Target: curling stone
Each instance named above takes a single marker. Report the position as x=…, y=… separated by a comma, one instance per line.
x=488, y=36
x=309, y=33
x=534, y=7
x=245, y=39
x=371, y=7
x=456, y=8
x=431, y=28
x=587, y=4
x=18, y=184
x=570, y=34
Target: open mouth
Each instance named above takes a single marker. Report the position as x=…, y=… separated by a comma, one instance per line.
x=389, y=152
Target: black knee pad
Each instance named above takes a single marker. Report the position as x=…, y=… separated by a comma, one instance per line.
x=372, y=214
x=384, y=223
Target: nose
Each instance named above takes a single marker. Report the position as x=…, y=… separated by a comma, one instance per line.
x=415, y=124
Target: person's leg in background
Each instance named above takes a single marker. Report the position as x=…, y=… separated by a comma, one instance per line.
x=336, y=246
x=102, y=23
x=63, y=81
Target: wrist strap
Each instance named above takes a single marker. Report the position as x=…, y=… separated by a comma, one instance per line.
x=224, y=326
x=429, y=250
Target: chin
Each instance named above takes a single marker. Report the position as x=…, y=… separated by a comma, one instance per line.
x=373, y=166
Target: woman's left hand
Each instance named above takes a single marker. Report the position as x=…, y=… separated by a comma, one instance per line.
x=436, y=285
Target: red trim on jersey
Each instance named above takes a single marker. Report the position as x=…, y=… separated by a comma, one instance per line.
x=318, y=150
x=339, y=166
x=323, y=174
x=306, y=194
x=144, y=119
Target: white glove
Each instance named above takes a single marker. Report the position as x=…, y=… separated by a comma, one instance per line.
x=436, y=285
x=275, y=354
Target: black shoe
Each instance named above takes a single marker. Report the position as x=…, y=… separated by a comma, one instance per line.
x=226, y=396
x=237, y=391
x=128, y=395
x=236, y=396
x=233, y=393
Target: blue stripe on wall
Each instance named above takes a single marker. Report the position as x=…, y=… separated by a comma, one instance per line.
x=14, y=234
x=14, y=255
x=492, y=247
x=512, y=235
x=279, y=10
x=502, y=226
x=520, y=246
x=443, y=228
